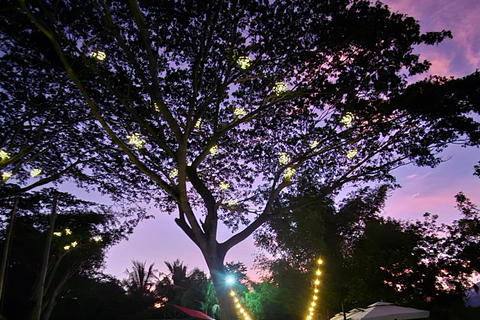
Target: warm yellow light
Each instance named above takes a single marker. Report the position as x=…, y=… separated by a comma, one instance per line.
x=236, y=300
x=157, y=305
x=74, y=244
x=318, y=272
x=238, y=305
x=316, y=290
x=315, y=297
x=136, y=140
x=320, y=261
x=35, y=172
x=311, y=309
x=99, y=55
x=173, y=173
x=4, y=155
x=352, y=153
x=239, y=112
x=97, y=238
x=314, y=144
x=66, y=248
x=232, y=293
x=58, y=234
x=6, y=175
x=224, y=186
x=347, y=119
x=244, y=62
x=289, y=172
x=280, y=87
x=156, y=107
x=283, y=158
x=313, y=304
x=198, y=124
x=232, y=202
x=214, y=150
x=317, y=282
x=68, y=231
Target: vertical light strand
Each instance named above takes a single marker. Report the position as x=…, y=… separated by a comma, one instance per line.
x=239, y=307
x=314, y=302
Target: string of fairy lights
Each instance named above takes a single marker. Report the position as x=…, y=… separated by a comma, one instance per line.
x=313, y=303
x=241, y=309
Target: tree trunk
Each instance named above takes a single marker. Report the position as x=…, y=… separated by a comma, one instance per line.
x=217, y=271
x=6, y=254
x=39, y=290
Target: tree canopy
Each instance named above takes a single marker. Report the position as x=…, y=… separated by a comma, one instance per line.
x=224, y=108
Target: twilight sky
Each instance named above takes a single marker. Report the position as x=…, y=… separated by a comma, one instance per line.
x=423, y=189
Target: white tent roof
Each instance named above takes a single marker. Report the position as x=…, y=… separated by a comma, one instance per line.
x=384, y=311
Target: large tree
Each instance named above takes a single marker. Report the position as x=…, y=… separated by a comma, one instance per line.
x=226, y=106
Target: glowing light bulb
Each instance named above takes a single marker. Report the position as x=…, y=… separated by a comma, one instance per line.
x=198, y=124
x=313, y=304
x=232, y=202
x=315, y=297
x=97, y=238
x=214, y=150
x=66, y=248
x=173, y=173
x=99, y=55
x=74, y=244
x=289, y=172
x=244, y=62
x=4, y=155
x=318, y=272
x=280, y=87
x=317, y=282
x=58, y=234
x=316, y=290
x=314, y=144
x=236, y=300
x=311, y=309
x=283, y=158
x=320, y=261
x=136, y=140
x=239, y=112
x=232, y=293
x=6, y=175
x=35, y=172
x=352, y=153
x=347, y=119
x=224, y=186
x=238, y=305
x=156, y=107
x=68, y=231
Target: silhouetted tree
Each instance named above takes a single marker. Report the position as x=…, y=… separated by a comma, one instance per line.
x=224, y=108
x=140, y=284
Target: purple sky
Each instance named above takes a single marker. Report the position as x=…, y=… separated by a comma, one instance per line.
x=423, y=189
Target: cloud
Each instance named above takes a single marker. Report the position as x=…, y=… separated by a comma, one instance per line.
x=412, y=176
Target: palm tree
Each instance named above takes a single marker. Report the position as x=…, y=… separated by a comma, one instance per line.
x=141, y=282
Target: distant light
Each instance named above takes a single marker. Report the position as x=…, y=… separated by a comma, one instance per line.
x=244, y=62
x=97, y=238
x=320, y=261
x=280, y=87
x=68, y=231
x=35, y=172
x=232, y=202
x=232, y=293
x=239, y=112
x=214, y=150
x=66, y=248
x=58, y=234
x=347, y=119
x=99, y=55
x=230, y=280
x=318, y=272
x=74, y=244
x=6, y=175
x=289, y=172
x=156, y=107
x=283, y=158
x=136, y=140
x=4, y=155
x=173, y=173
x=314, y=144
x=352, y=153
x=317, y=282
x=198, y=124
x=224, y=186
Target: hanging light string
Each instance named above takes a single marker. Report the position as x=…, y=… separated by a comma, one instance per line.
x=313, y=303
x=240, y=308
